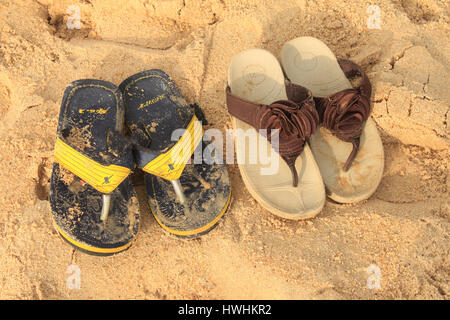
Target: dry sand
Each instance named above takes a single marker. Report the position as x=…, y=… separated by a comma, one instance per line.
x=403, y=228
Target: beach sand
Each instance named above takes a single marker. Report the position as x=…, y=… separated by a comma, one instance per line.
x=402, y=230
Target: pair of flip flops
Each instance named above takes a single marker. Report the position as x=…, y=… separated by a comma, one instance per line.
x=327, y=142
x=103, y=133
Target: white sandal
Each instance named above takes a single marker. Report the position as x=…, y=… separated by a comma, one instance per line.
x=255, y=82
x=348, y=178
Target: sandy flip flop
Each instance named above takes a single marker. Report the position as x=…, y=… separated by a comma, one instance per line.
x=187, y=199
x=257, y=99
x=94, y=206
x=347, y=147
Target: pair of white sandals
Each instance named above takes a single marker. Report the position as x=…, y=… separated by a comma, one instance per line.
x=256, y=75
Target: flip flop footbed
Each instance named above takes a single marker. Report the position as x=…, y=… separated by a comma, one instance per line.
x=310, y=63
x=155, y=109
x=76, y=214
x=91, y=117
x=208, y=194
x=256, y=75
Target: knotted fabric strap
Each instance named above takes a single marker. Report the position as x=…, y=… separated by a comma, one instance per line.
x=296, y=121
x=102, y=178
x=170, y=165
x=345, y=112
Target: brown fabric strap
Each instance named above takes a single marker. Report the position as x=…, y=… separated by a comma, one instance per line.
x=296, y=121
x=345, y=112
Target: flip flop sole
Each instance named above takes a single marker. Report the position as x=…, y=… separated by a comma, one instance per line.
x=256, y=75
x=88, y=249
x=89, y=109
x=156, y=108
x=310, y=63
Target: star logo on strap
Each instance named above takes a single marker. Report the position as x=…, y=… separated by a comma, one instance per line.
x=171, y=167
x=107, y=180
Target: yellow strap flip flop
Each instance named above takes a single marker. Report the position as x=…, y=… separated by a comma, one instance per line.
x=94, y=205
x=187, y=198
